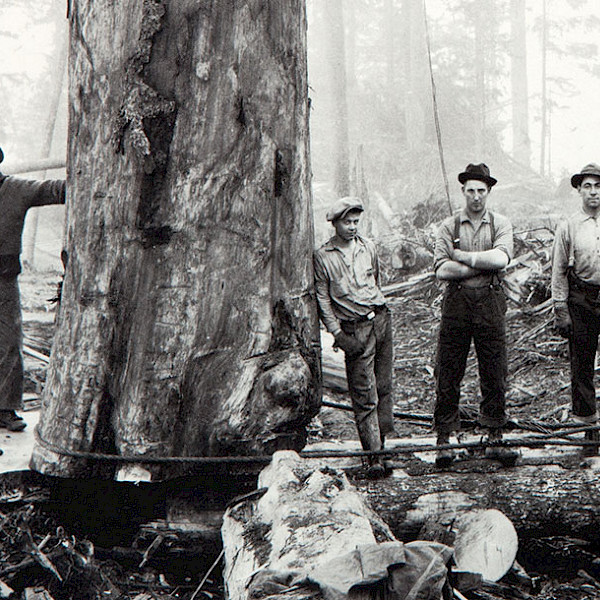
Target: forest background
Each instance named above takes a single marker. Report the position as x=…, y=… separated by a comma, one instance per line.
x=404, y=93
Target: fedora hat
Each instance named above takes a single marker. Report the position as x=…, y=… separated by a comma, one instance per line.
x=481, y=172
x=343, y=206
x=591, y=169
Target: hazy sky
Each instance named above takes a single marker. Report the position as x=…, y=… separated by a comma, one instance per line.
x=573, y=127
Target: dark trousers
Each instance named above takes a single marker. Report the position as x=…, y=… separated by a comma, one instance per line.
x=11, y=340
x=478, y=315
x=370, y=379
x=583, y=343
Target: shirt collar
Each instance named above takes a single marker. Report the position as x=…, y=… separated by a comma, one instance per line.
x=465, y=217
x=331, y=245
x=583, y=216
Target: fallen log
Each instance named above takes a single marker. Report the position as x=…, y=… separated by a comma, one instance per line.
x=540, y=500
x=312, y=534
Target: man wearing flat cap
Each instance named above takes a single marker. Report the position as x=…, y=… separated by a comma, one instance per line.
x=471, y=249
x=17, y=196
x=576, y=295
x=353, y=309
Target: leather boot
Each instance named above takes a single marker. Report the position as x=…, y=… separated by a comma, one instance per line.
x=495, y=451
x=445, y=456
x=370, y=439
x=591, y=436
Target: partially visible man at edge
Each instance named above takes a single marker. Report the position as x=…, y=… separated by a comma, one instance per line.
x=576, y=296
x=353, y=309
x=471, y=247
x=17, y=195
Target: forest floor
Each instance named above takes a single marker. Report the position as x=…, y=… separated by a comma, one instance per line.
x=538, y=393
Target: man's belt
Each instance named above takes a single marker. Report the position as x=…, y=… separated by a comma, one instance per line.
x=591, y=290
x=375, y=310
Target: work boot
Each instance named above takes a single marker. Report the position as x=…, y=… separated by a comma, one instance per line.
x=387, y=463
x=376, y=469
x=445, y=456
x=593, y=435
x=10, y=420
x=495, y=451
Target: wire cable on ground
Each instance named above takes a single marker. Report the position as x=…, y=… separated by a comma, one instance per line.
x=530, y=442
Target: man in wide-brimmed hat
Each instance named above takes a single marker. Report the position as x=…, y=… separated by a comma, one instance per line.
x=17, y=195
x=471, y=248
x=353, y=309
x=576, y=295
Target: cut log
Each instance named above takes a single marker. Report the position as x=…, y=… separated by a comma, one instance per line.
x=312, y=527
x=486, y=543
x=307, y=516
x=540, y=500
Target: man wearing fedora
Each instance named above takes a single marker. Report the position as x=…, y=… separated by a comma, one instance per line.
x=17, y=196
x=353, y=309
x=471, y=248
x=576, y=295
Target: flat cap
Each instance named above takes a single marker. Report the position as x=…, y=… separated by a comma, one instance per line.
x=344, y=206
x=591, y=169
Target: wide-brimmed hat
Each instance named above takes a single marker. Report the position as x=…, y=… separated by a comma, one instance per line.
x=591, y=169
x=481, y=172
x=343, y=206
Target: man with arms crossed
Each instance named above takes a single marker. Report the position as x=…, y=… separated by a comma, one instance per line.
x=471, y=248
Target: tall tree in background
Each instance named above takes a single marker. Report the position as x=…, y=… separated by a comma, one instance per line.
x=187, y=324
x=58, y=78
x=519, y=83
x=415, y=72
x=544, y=110
x=334, y=17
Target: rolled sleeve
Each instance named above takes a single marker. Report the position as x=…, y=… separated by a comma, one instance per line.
x=443, y=244
x=324, y=306
x=560, y=264
x=504, y=236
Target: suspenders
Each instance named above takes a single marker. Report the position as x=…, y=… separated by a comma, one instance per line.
x=456, y=238
x=571, y=247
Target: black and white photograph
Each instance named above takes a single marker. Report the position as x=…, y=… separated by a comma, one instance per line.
x=299, y=299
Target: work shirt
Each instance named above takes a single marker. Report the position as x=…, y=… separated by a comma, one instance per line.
x=583, y=231
x=346, y=285
x=473, y=238
x=17, y=196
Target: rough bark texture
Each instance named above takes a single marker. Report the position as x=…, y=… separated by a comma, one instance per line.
x=309, y=516
x=187, y=324
x=539, y=500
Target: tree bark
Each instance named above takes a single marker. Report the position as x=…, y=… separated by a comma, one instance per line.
x=308, y=517
x=539, y=500
x=187, y=324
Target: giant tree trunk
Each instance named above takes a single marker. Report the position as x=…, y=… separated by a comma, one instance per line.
x=187, y=324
